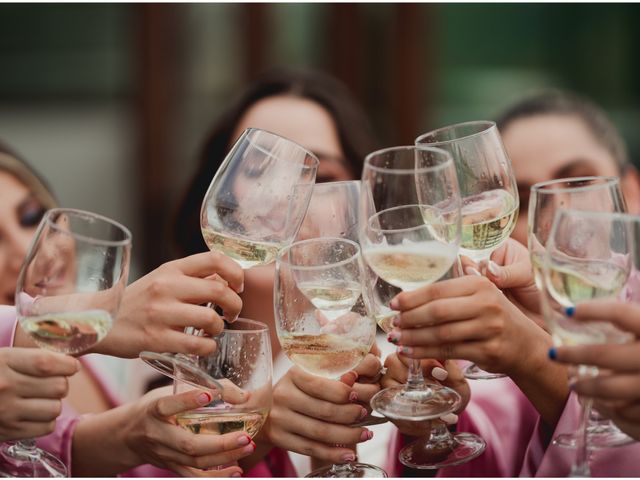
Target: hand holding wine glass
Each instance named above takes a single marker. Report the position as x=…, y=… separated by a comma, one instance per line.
x=68, y=293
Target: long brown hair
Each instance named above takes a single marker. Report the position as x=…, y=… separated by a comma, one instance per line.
x=354, y=132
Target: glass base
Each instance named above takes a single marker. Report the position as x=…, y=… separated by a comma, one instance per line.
x=182, y=368
x=431, y=402
x=424, y=455
x=349, y=470
x=30, y=463
x=474, y=372
x=600, y=435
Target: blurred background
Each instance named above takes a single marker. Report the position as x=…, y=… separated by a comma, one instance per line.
x=112, y=102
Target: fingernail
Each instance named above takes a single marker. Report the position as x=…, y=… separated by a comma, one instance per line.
x=572, y=383
x=236, y=474
x=353, y=397
x=553, y=353
x=472, y=271
x=244, y=440
x=569, y=311
x=394, y=304
x=363, y=414
x=396, y=321
x=405, y=350
x=450, y=418
x=494, y=268
x=394, y=336
x=348, y=457
x=366, y=435
x=204, y=398
x=241, y=289
x=249, y=448
x=439, y=373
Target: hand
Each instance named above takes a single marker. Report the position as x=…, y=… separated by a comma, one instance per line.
x=154, y=438
x=510, y=270
x=616, y=390
x=449, y=375
x=310, y=415
x=156, y=309
x=368, y=381
x=469, y=318
x=32, y=384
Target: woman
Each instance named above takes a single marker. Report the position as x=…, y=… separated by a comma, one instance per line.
x=148, y=319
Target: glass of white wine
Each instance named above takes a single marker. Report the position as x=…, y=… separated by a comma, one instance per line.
x=68, y=294
x=594, y=194
x=488, y=189
x=254, y=207
x=322, y=317
x=242, y=364
x=589, y=255
x=411, y=240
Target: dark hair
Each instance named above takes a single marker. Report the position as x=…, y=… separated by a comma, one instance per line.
x=354, y=132
x=570, y=104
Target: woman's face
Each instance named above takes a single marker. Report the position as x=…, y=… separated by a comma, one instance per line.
x=20, y=214
x=547, y=147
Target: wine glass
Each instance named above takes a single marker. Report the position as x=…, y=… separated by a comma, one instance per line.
x=488, y=190
x=411, y=240
x=254, y=207
x=596, y=194
x=322, y=318
x=589, y=255
x=67, y=296
x=242, y=364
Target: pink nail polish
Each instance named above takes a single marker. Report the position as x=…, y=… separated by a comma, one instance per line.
x=394, y=304
x=348, y=457
x=204, y=398
x=236, y=475
x=394, y=336
x=396, y=321
x=363, y=414
x=353, y=397
x=405, y=350
x=366, y=435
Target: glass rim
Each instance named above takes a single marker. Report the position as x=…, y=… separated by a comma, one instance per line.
x=339, y=182
x=541, y=187
x=260, y=326
x=407, y=229
x=489, y=125
x=408, y=171
x=619, y=216
x=316, y=160
x=280, y=257
x=96, y=216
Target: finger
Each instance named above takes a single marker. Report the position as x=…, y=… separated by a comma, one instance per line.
x=311, y=448
x=49, y=387
x=368, y=367
x=375, y=350
x=617, y=387
x=366, y=391
x=169, y=406
x=27, y=429
x=630, y=413
x=199, y=290
x=303, y=404
x=181, y=315
x=185, y=445
x=455, y=287
x=519, y=273
x=233, y=394
x=441, y=311
x=622, y=358
x=39, y=410
x=180, y=342
x=451, y=332
x=623, y=315
x=469, y=267
x=209, y=263
x=41, y=363
x=325, y=432
x=321, y=388
x=468, y=351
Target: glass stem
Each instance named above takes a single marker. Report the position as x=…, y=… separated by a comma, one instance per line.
x=581, y=466
x=342, y=470
x=25, y=450
x=415, y=381
x=440, y=436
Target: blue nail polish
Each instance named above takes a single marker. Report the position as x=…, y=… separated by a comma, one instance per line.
x=552, y=353
x=569, y=311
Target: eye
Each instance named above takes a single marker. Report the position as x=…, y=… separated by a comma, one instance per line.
x=30, y=214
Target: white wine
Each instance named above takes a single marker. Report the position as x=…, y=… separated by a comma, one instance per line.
x=573, y=281
x=247, y=253
x=410, y=266
x=68, y=332
x=487, y=220
x=327, y=355
x=333, y=299
x=214, y=421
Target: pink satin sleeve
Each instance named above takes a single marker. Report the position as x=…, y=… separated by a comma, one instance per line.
x=8, y=323
x=545, y=460
x=500, y=414
x=276, y=464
